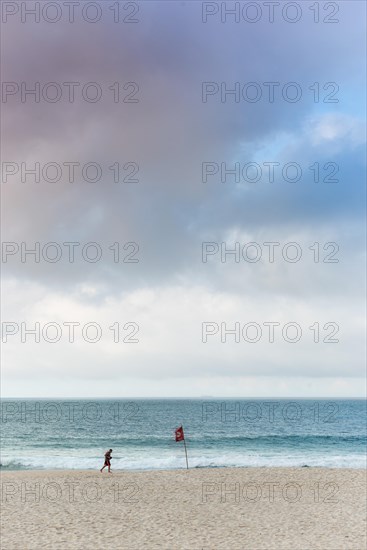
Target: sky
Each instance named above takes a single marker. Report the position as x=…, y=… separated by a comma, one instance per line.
x=222, y=135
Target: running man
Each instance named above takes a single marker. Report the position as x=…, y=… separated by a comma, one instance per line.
x=107, y=461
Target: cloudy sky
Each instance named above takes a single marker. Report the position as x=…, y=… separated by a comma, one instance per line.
x=181, y=93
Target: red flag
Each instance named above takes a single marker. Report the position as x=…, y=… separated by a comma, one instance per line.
x=179, y=433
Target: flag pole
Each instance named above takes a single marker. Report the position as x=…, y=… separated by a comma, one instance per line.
x=187, y=463
x=180, y=436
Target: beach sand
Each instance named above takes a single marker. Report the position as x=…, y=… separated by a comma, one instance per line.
x=221, y=508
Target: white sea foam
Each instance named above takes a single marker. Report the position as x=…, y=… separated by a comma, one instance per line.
x=173, y=461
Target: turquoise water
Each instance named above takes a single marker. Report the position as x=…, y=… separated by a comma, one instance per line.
x=65, y=434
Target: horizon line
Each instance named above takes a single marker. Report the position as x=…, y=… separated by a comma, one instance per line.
x=189, y=397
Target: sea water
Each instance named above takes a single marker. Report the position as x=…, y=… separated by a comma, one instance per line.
x=74, y=434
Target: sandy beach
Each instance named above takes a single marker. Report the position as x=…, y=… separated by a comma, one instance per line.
x=252, y=508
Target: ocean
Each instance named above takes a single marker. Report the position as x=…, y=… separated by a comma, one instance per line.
x=74, y=434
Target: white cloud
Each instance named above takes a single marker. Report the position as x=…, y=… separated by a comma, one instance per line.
x=170, y=346
x=336, y=129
